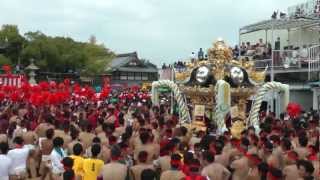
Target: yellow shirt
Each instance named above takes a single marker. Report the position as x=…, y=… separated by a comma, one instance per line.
x=77, y=165
x=91, y=168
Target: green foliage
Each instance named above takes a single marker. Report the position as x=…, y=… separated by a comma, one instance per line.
x=10, y=37
x=53, y=54
x=100, y=57
x=4, y=61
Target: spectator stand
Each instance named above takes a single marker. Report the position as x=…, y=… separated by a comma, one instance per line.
x=303, y=57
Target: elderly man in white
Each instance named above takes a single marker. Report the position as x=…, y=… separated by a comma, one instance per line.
x=56, y=156
x=5, y=161
x=18, y=156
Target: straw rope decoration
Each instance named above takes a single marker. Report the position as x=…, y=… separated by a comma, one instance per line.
x=185, y=116
x=223, y=103
x=253, y=119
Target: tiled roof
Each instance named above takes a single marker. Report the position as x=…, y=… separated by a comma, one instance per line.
x=120, y=61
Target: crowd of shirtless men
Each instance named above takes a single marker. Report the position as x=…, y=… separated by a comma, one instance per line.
x=131, y=139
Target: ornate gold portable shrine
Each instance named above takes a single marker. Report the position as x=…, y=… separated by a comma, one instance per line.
x=198, y=81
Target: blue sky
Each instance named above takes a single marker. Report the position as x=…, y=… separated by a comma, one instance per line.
x=159, y=30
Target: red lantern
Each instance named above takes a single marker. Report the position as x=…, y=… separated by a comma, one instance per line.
x=66, y=82
x=77, y=89
x=105, y=92
x=53, y=85
x=7, y=88
x=25, y=87
x=44, y=86
x=15, y=97
x=61, y=86
x=36, y=89
x=293, y=109
x=2, y=96
x=52, y=99
x=6, y=69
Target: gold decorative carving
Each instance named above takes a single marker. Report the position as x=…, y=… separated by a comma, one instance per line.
x=219, y=58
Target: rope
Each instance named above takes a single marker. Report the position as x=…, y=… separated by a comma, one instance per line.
x=185, y=116
x=253, y=119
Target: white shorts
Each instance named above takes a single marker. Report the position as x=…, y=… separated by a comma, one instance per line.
x=45, y=158
x=19, y=171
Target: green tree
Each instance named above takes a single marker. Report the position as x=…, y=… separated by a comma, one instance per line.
x=99, y=58
x=4, y=61
x=9, y=34
x=54, y=54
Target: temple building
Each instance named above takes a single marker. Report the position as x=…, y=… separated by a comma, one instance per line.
x=128, y=69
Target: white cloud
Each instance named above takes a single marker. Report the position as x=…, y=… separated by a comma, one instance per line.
x=163, y=30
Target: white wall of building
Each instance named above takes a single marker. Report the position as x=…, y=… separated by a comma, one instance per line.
x=316, y=97
x=303, y=97
x=306, y=36
x=298, y=37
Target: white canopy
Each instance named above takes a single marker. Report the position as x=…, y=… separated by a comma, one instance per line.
x=286, y=23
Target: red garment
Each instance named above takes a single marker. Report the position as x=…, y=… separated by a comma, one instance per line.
x=33, y=125
x=185, y=169
x=195, y=177
x=93, y=119
x=116, y=114
x=163, y=143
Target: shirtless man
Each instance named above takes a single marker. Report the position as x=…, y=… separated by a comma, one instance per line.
x=241, y=168
x=290, y=170
x=99, y=128
x=14, y=117
x=266, y=154
x=147, y=146
x=163, y=162
x=135, y=171
x=174, y=173
x=104, y=154
x=221, y=157
x=314, y=159
x=114, y=169
x=3, y=138
x=86, y=136
x=121, y=129
x=108, y=130
x=194, y=170
x=43, y=127
x=305, y=169
x=110, y=118
x=186, y=135
x=212, y=169
x=46, y=146
x=74, y=134
x=64, y=133
x=30, y=138
x=254, y=161
x=302, y=150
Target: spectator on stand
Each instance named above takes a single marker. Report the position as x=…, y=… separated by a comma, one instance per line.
x=200, y=54
x=277, y=52
x=243, y=49
x=236, y=52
